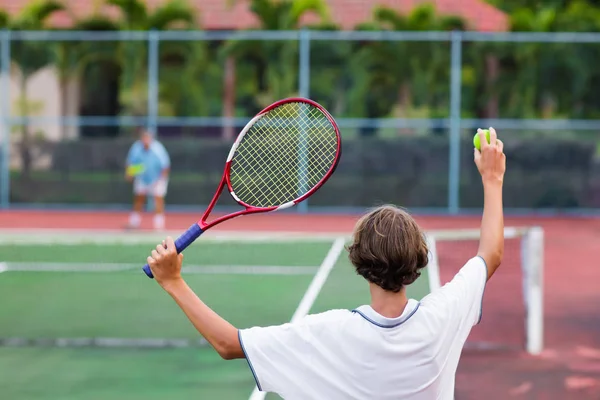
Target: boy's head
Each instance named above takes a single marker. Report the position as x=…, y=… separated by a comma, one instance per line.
x=388, y=248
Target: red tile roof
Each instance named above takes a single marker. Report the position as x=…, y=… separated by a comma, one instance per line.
x=218, y=14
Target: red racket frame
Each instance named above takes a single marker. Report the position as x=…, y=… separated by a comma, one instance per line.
x=198, y=228
x=226, y=179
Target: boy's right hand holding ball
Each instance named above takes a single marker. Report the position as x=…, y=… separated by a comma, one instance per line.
x=489, y=156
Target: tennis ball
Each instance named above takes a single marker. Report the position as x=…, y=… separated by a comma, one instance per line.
x=134, y=170
x=476, y=141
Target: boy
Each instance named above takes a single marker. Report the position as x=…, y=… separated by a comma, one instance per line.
x=152, y=180
x=394, y=348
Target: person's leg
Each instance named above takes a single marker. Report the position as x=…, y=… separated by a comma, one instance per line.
x=159, y=212
x=135, y=218
x=160, y=190
x=139, y=198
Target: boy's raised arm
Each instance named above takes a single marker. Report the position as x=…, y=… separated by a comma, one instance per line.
x=491, y=163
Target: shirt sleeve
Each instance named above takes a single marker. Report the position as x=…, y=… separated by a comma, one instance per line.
x=163, y=155
x=463, y=295
x=281, y=357
x=132, y=154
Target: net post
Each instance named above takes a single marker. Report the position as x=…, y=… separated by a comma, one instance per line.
x=304, y=91
x=433, y=266
x=5, y=120
x=532, y=253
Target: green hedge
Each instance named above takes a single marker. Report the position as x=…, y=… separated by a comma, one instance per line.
x=412, y=171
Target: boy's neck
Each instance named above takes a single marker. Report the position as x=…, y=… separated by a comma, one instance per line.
x=387, y=304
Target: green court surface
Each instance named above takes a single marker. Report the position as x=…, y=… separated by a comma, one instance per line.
x=81, y=321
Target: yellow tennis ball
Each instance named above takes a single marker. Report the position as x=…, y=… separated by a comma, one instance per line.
x=476, y=141
x=135, y=169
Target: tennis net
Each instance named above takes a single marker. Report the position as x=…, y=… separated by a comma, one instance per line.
x=513, y=301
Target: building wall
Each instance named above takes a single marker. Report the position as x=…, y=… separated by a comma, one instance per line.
x=43, y=95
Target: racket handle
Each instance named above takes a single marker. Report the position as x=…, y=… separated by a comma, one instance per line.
x=181, y=244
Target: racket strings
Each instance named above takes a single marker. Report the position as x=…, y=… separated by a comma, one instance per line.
x=283, y=155
x=269, y=186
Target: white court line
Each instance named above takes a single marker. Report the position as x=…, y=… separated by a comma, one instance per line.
x=190, y=269
x=16, y=236
x=107, y=342
x=311, y=293
x=83, y=237
x=249, y=270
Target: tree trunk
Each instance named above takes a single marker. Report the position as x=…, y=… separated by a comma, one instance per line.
x=492, y=66
x=404, y=102
x=229, y=98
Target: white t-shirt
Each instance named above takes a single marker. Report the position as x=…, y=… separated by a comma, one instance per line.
x=359, y=354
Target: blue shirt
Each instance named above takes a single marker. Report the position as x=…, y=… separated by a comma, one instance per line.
x=154, y=160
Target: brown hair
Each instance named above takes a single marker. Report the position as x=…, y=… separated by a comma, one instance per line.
x=388, y=249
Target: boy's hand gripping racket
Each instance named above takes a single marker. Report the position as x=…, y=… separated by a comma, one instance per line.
x=280, y=158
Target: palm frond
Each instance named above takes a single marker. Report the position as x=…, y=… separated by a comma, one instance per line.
x=35, y=14
x=4, y=19
x=173, y=11
x=422, y=17
x=389, y=18
x=96, y=22
x=452, y=22
x=301, y=7
x=134, y=12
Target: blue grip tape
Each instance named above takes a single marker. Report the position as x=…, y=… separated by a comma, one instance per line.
x=181, y=244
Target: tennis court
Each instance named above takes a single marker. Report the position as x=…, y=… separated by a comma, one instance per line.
x=80, y=320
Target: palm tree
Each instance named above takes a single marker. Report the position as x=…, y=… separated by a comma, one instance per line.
x=95, y=65
x=28, y=58
x=73, y=58
x=102, y=65
x=526, y=84
x=136, y=16
x=403, y=76
x=269, y=68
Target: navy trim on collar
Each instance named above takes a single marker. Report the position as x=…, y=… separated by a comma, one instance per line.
x=383, y=322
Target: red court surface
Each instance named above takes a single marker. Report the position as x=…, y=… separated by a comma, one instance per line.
x=569, y=368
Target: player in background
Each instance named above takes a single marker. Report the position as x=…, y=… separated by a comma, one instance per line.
x=393, y=348
x=148, y=165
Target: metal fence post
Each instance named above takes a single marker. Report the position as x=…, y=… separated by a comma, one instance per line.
x=153, y=43
x=5, y=119
x=304, y=82
x=151, y=118
x=454, y=139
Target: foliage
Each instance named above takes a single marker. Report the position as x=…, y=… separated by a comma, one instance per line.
x=132, y=56
x=4, y=19
x=271, y=66
x=29, y=57
x=399, y=78
x=545, y=171
x=540, y=80
x=353, y=79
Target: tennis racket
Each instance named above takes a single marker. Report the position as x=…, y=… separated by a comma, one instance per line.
x=281, y=157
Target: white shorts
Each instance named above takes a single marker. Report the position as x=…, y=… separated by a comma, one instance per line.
x=156, y=189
